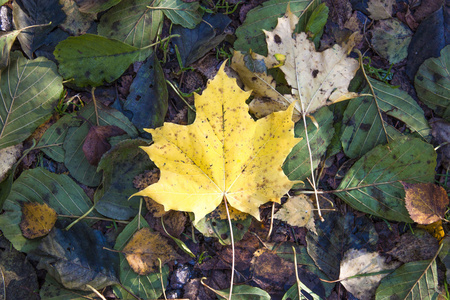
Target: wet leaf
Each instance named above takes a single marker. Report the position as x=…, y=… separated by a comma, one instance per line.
x=390, y=39
x=37, y=185
x=297, y=211
x=143, y=250
x=234, y=156
x=148, y=99
x=92, y=60
x=37, y=219
x=144, y=286
x=76, y=258
x=36, y=12
x=132, y=22
x=75, y=159
x=367, y=270
x=195, y=43
x=120, y=166
x=250, y=34
x=372, y=183
x=29, y=90
x=96, y=143
x=426, y=202
x=431, y=81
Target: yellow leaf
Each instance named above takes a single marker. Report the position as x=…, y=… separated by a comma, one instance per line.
x=426, y=202
x=37, y=219
x=317, y=78
x=297, y=211
x=144, y=249
x=224, y=154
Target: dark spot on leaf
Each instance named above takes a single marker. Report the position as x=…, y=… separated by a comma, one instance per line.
x=87, y=74
x=277, y=39
x=254, y=78
x=138, y=97
x=224, y=236
x=213, y=223
x=365, y=127
x=314, y=73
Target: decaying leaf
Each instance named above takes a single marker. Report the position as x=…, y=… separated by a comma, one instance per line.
x=224, y=154
x=96, y=144
x=360, y=262
x=380, y=9
x=316, y=78
x=426, y=202
x=144, y=249
x=297, y=211
x=37, y=219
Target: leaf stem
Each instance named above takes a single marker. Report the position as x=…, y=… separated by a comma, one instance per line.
x=232, y=247
x=159, y=42
x=95, y=105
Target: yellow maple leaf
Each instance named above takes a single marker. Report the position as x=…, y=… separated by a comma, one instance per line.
x=224, y=154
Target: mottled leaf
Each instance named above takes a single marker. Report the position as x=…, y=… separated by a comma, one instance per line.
x=37, y=219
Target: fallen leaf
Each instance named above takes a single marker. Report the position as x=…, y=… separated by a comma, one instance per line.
x=297, y=211
x=96, y=144
x=224, y=154
x=360, y=262
x=426, y=202
x=144, y=249
x=37, y=219
x=380, y=9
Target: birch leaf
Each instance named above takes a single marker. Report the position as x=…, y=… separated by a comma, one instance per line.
x=224, y=154
x=317, y=78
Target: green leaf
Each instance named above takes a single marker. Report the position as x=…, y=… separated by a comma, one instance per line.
x=400, y=105
x=53, y=138
x=372, y=183
x=120, y=165
x=363, y=129
x=292, y=293
x=53, y=290
x=75, y=159
x=390, y=39
x=250, y=34
x=93, y=7
x=432, y=82
x=143, y=286
x=29, y=89
x=245, y=292
x=133, y=23
x=414, y=280
x=92, y=60
x=297, y=164
x=185, y=14
x=6, y=41
x=444, y=256
x=38, y=185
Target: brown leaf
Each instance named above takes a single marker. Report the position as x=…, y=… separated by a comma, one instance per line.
x=96, y=144
x=426, y=202
x=37, y=219
x=144, y=249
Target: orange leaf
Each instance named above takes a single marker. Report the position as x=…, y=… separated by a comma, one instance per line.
x=144, y=249
x=426, y=202
x=37, y=219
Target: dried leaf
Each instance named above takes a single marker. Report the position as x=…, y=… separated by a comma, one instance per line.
x=96, y=144
x=144, y=249
x=426, y=202
x=37, y=219
x=318, y=78
x=380, y=9
x=297, y=211
x=223, y=154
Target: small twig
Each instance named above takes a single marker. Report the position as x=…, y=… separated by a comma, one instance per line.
x=271, y=221
x=95, y=105
x=96, y=292
x=93, y=218
x=162, y=281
